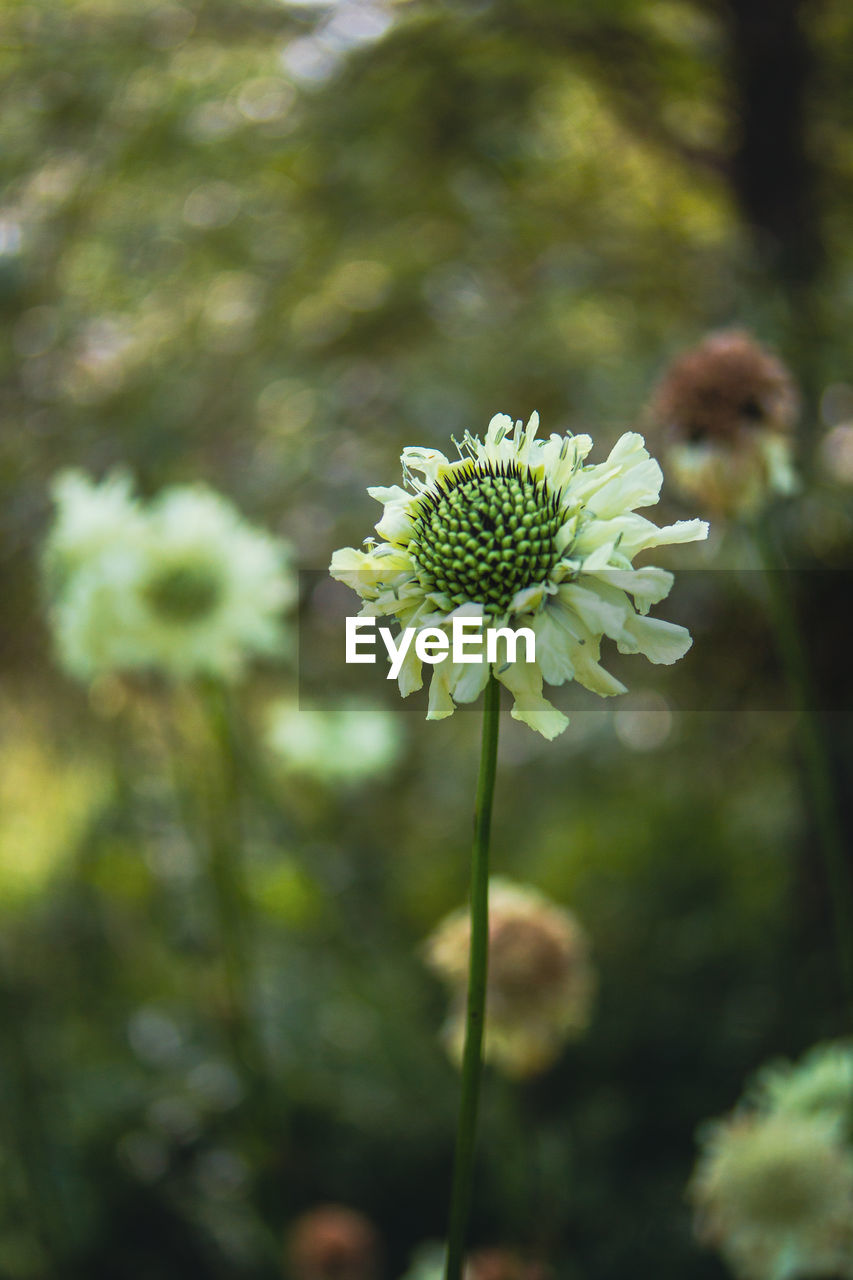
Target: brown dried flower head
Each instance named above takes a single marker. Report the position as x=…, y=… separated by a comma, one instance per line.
x=540, y=984
x=332, y=1242
x=726, y=408
x=727, y=384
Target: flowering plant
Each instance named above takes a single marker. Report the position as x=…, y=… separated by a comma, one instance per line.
x=522, y=530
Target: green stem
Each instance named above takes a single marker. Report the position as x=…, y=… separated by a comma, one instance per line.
x=228, y=883
x=472, y=1059
x=816, y=757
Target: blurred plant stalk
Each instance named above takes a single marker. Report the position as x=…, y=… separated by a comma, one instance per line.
x=228, y=885
x=817, y=760
x=211, y=814
x=472, y=1060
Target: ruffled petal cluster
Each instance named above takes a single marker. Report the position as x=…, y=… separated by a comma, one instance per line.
x=590, y=590
x=182, y=586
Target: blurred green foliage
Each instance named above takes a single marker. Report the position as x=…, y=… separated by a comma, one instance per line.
x=267, y=245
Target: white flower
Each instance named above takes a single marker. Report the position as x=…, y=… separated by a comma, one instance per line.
x=524, y=533
x=185, y=587
x=775, y=1195
x=343, y=745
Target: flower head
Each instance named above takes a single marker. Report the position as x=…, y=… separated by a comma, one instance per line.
x=540, y=982
x=775, y=1195
x=342, y=745
x=333, y=1243
x=184, y=586
x=727, y=407
x=522, y=532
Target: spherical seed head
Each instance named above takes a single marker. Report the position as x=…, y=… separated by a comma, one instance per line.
x=726, y=384
x=484, y=534
x=541, y=980
x=529, y=954
x=184, y=592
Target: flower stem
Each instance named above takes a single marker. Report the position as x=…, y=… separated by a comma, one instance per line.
x=229, y=889
x=816, y=757
x=472, y=1060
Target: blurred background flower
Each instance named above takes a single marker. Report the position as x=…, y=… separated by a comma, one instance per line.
x=540, y=982
x=346, y=745
x=773, y=1186
x=332, y=1242
x=774, y=1195
x=728, y=408
x=183, y=587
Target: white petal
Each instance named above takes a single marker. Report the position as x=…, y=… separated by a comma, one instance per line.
x=639, y=537
x=431, y=463
x=528, y=599
x=603, y=611
x=561, y=457
x=467, y=680
x=600, y=558
x=590, y=673
x=554, y=648
x=441, y=704
x=410, y=678
x=639, y=487
x=660, y=641
x=524, y=681
x=396, y=525
x=647, y=585
x=390, y=493
x=352, y=567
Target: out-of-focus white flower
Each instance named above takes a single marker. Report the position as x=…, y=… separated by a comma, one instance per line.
x=774, y=1193
x=185, y=587
x=773, y=1186
x=342, y=745
x=540, y=983
x=521, y=532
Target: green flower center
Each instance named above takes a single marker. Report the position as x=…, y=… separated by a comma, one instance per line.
x=184, y=592
x=485, y=534
x=788, y=1191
